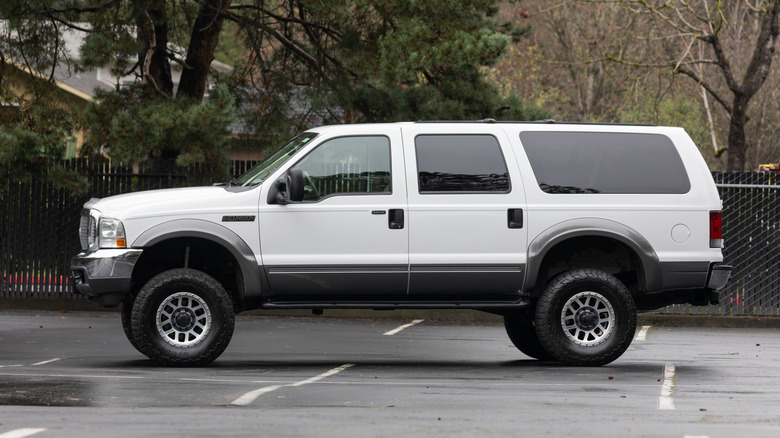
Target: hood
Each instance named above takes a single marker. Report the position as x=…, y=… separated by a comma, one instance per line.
x=159, y=202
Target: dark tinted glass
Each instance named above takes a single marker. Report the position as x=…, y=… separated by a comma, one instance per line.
x=616, y=163
x=460, y=163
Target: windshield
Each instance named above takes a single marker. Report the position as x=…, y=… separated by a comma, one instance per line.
x=261, y=170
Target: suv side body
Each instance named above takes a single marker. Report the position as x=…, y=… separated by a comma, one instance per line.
x=590, y=221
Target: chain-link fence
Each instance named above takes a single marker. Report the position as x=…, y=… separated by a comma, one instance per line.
x=751, y=231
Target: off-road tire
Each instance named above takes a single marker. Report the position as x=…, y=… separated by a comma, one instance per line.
x=522, y=333
x=182, y=317
x=585, y=317
x=127, y=319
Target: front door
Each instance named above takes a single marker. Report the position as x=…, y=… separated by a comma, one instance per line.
x=349, y=236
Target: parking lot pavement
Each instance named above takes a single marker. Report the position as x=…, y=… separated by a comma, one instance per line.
x=75, y=374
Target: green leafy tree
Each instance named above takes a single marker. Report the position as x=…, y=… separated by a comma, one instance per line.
x=146, y=121
x=33, y=124
x=305, y=63
x=382, y=60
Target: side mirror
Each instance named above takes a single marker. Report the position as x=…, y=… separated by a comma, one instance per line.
x=288, y=188
x=295, y=184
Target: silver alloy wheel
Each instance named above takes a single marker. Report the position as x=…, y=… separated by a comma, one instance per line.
x=587, y=318
x=183, y=319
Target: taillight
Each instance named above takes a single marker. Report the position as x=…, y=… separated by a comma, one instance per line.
x=716, y=229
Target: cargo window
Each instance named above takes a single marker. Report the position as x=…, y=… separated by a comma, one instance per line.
x=347, y=165
x=460, y=164
x=607, y=163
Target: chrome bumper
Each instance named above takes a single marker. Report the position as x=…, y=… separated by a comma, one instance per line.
x=104, y=275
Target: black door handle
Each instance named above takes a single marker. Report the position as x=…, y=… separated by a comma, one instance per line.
x=396, y=219
x=515, y=218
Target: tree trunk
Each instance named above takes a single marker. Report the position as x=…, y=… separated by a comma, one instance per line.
x=155, y=67
x=737, y=145
x=203, y=42
x=161, y=66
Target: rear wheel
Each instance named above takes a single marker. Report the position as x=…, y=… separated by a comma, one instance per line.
x=522, y=333
x=182, y=317
x=585, y=317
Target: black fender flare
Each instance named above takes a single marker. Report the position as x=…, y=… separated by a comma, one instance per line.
x=227, y=238
x=581, y=227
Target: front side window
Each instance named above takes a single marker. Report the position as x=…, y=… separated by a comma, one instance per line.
x=460, y=164
x=347, y=165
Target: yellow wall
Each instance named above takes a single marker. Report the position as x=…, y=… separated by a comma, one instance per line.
x=19, y=81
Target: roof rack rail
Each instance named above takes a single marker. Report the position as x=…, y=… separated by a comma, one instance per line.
x=543, y=121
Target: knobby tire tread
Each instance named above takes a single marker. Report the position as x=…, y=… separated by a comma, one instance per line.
x=522, y=333
x=551, y=336
x=167, y=356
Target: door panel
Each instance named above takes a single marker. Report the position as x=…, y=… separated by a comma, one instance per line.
x=341, y=240
x=465, y=212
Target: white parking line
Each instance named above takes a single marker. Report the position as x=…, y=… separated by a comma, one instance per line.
x=666, y=400
x=46, y=361
x=21, y=433
x=32, y=365
x=251, y=396
x=405, y=326
x=642, y=335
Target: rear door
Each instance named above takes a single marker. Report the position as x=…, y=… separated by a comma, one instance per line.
x=466, y=211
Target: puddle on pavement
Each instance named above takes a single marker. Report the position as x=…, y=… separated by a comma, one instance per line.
x=69, y=393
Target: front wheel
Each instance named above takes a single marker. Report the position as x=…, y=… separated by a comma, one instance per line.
x=182, y=317
x=127, y=319
x=585, y=317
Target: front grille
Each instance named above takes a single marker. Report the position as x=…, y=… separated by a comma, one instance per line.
x=83, y=231
x=87, y=230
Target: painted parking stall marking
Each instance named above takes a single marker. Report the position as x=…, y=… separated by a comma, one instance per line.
x=405, y=326
x=666, y=400
x=22, y=433
x=46, y=362
x=251, y=396
x=642, y=335
x=32, y=365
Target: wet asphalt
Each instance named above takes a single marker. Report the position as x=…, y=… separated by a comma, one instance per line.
x=74, y=374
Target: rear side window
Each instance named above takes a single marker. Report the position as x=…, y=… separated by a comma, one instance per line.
x=612, y=163
x=460, y=163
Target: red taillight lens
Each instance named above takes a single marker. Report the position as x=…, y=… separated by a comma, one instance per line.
x=716, y=229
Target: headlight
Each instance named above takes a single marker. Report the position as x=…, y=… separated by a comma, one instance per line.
x=111, y=234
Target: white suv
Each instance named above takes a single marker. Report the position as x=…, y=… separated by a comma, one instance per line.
x=564, y=229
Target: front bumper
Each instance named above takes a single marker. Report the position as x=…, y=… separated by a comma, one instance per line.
x=104, y=275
